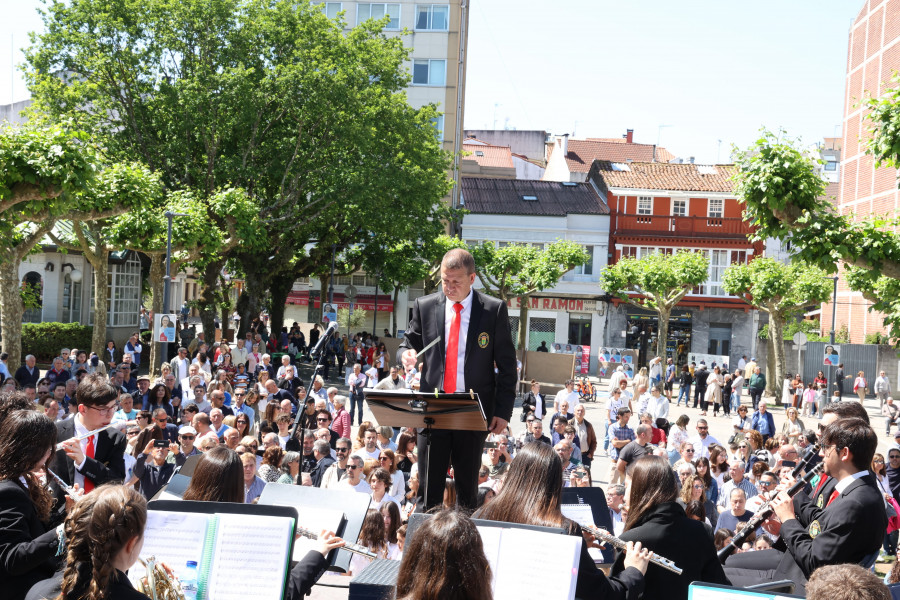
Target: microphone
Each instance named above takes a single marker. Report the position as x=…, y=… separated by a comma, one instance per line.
x=332, y=327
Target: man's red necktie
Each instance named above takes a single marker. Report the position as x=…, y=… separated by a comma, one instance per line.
x=822, y=481
x=452, y=350
x=834, y=496
x=89, y=452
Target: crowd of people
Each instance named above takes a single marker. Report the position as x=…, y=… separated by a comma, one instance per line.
x=672, y=488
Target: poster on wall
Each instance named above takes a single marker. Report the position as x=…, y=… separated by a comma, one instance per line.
x=608, y=359
x=329, y=313
x=711, y=360
x=582, y=355
x=164, y=328
x=832, y=355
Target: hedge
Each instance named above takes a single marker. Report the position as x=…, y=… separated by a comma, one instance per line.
x=45, y=340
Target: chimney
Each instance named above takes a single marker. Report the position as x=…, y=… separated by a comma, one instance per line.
x=563, y=143
x=629, y=136
x=691, y=159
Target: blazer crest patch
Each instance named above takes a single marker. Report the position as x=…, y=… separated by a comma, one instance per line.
x=483, y=340
x=814, y=529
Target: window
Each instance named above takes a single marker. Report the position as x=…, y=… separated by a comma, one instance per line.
x=433, y=17
x=359, y=280
x=831, y=166
x=342, y=280
x=438, y=123
x=429, y=72
x=529, y=198
x=33, y=286
x=716, y=208
x=588, y=267
x=364, y=12
x=123, y=293
x=679, y=208
x=331, y=9
x=645, y=205
x=719, y=260
x=71, y=300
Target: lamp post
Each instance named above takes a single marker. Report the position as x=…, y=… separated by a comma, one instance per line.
x=168, y=278
x=375, y=312
x=331, y=279
x=833, y=322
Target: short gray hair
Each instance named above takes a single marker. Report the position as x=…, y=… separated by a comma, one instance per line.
x=322, y=447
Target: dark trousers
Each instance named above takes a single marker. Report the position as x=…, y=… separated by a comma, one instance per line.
x=462, y=449
x=698, y=395
x=356, y=404
x=755, y=395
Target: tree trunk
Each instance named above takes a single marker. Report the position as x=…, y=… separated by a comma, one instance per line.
x=11, y=312
x=776, y=337
x=157, y=288
x=397, y=289
x=100, y=265
x=279, y=290
x=523, y=324
x=663, y=333
x=207, y=303
x=771, y=384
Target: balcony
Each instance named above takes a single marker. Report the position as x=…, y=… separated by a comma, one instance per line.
x=682, y=227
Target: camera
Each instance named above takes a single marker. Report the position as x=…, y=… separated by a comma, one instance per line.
x=160, y=444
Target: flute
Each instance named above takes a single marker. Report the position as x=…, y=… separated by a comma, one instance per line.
x=69, y=490
x=356, y=549
x=764, y=512
x=78, y=438
x=615, y=542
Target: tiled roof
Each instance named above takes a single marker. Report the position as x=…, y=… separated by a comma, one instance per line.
x=490, y=156
x=664, y=176
x=582, y=153
x=506, y=197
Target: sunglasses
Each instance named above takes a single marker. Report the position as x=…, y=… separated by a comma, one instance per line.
x=321, y=420
x=187, y=437
x=342, y=449
x=383, y=458
x=351, y=468
x=688, y=451
x=703, y=428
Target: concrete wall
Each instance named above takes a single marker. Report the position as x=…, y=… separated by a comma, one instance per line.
x=528, y=143
x=12, y=112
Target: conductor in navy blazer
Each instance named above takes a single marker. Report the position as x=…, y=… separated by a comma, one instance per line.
x=485, y=343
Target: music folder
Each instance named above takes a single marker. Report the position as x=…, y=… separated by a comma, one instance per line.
x=461, y=411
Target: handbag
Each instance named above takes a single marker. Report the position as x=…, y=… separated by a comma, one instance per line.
x=893, y=521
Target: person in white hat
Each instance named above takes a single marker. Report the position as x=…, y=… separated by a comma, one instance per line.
x=185, y=446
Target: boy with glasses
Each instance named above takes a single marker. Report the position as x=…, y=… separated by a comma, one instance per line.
x=97, y=458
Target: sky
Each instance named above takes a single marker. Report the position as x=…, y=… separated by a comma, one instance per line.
x=697, y=76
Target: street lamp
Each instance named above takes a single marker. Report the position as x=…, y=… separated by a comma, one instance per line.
x=833, y=322
x=168, y=278
x=331, y=279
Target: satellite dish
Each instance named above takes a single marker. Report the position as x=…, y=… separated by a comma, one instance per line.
x=800, y=338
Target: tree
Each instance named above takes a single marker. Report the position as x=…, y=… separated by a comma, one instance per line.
x=781, y=291
x=656, y=282
x=45, y=173
x=785, y=198
x=266, y=95
x=521, y=270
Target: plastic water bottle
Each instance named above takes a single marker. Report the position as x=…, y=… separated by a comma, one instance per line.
x=189, y=580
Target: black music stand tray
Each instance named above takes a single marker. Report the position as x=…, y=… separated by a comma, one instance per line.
x=459, y=411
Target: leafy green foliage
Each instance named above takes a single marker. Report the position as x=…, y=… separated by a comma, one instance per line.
x=519, y=270
x=31, y=295
x=657, y=282
x=45, y=339
x=810, y=328
x=354, y=322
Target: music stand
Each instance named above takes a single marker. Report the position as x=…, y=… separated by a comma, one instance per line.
x=459, y=411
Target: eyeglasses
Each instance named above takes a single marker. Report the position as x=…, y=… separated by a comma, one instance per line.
x=878, y=462
x=893, y=456
x=342, y=449
x=321, y=420
x=766, y=483
x=697, y=486
x=107, y=410
x=825, y=449
x=702, y=428
x=689, y=451
x=743, y=447
x=187, y=437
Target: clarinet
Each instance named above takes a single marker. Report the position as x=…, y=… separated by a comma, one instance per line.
x=764, y=512
x=355, y=548
x=615, y=542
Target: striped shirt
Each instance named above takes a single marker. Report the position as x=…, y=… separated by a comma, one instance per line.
x=619, y=432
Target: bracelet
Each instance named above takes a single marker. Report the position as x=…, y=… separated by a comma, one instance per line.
x=61, y=540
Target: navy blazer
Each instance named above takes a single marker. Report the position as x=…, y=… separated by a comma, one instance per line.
x=488, y=341
x=27, y=546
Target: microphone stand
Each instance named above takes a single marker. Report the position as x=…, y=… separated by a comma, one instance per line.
x=302, y=409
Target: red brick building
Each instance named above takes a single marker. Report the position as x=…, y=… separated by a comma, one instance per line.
x=873, y=53
x=666, y=207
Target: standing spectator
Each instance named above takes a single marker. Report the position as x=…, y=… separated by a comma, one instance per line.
x=713, y=392
x=567, y=395
x=616, y=494
x=563, y=413
x=737, y=388
x=134, y=348
x=537, y=434
x=155, y=474
x=634, y=449
x=620, y=434
x=738, y=481
x=762, y=421
x=342, y=423
x=701, y=375
x=534, y=403
x=658, y=407
x=355, y=479
x=253, y=485
x=677, y=437
x=28, y=373
x=882, y=388
x=670, y=378
x=861, y=386
x=684, y=386
x=737, y=513
x=839, y=381
x=656, y=371
x=587, y=439
x=336, y=471
x=703, y=440
x=357, y=382
x=322, y=452
x=757, y=385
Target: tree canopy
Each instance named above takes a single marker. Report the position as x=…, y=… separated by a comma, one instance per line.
x=268, y=96
x=656, y=282
x=780, y=290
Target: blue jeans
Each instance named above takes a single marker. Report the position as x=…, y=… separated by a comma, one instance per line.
x=356, y=401
x=686, y=392
x=735, y=401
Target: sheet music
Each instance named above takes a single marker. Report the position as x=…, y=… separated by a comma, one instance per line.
x=490, y=539
x=555, y=580
x=239, y=573
x=580, y=513
x=174, y=538
x=315, y=520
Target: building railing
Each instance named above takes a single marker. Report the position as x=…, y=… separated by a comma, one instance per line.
x=728, y=227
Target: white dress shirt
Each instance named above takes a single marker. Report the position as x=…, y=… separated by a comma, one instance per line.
x=464, y=316
x=81, y=430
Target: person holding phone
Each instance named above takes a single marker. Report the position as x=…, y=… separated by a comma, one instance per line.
x=152, y=475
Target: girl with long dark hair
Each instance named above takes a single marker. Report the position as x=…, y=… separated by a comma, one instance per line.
x=656, y=520
x=531, y=495
x=218, y=477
